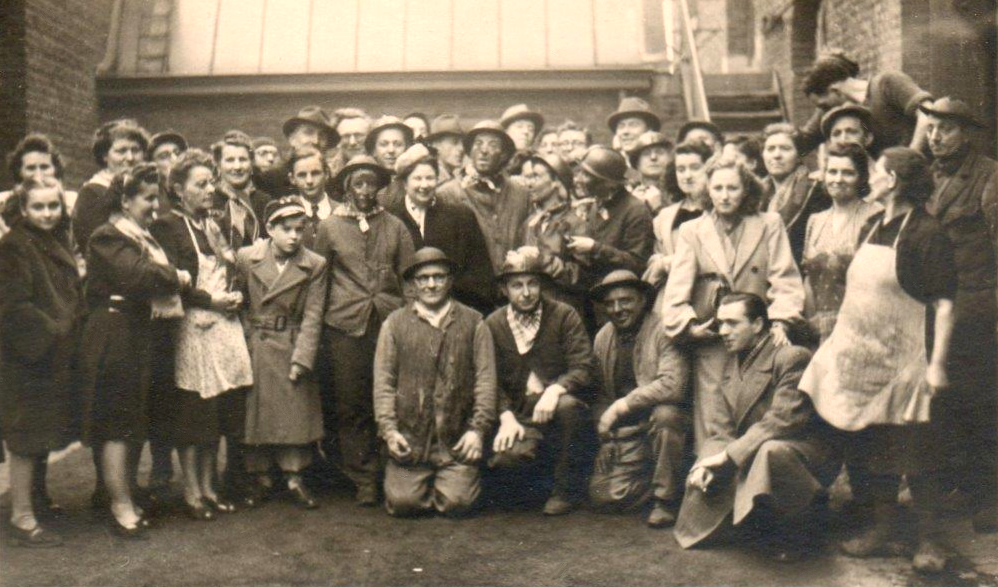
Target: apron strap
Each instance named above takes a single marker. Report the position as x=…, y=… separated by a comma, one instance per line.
x=879, y=225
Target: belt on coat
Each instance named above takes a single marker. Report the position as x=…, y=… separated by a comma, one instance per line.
x=275, y=323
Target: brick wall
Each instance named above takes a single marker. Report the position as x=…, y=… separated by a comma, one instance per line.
x=12, y=82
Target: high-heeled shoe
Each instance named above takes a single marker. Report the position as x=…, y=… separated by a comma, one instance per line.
x=200, y=512
x=221, y=505
x=136, y=532
x=36, y=537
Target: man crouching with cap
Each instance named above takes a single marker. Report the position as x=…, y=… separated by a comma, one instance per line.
x=642, y=401
x=434, y=394
x=545, y=367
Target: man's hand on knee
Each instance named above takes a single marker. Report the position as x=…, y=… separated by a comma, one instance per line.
x=510, y=431
x=545, y=407
x=469, y=447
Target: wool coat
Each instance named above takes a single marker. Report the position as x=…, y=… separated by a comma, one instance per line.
x=40, y=318
x=763, y=265
x=284, y=320
x=806, y=197
x=624, y=238
x=761, y=412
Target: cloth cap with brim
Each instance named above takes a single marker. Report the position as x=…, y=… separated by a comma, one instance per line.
x=522, y=112
x=860, y=112
x=952, y=109
x=285, y=207
x=384, y=123
x=427, y=256
x=605, y=163
x=648, y=140
x=522, y=261
x=445, y=125
x=169, y=136
x=411, y=156
x=633, y=107
x=492, y=127
x=361, y=162
x=315, y=116
x=263, y=142
x=703, y=124
x=619, y=278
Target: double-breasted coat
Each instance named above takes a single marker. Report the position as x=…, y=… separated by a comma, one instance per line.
x=772, y=435
x=40, y=318
x=284, y=321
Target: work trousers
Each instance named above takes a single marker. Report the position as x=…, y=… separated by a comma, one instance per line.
x=644, y=458
x=441, y=483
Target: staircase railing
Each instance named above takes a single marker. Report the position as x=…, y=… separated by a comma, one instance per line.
x=691, y=74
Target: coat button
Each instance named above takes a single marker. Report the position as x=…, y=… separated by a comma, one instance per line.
x=755, y=269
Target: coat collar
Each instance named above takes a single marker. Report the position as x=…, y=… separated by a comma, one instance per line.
x=754, y=228
x=952, y=186
x=49, y=244
x=264, y=268
x=750, y=380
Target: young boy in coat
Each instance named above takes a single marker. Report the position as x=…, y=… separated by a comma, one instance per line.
x=285, y=284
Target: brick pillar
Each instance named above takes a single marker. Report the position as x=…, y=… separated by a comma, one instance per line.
x=13, y=63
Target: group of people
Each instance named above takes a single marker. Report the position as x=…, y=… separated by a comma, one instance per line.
x=703, y=329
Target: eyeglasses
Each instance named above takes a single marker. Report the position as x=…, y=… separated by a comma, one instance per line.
x=426, y=278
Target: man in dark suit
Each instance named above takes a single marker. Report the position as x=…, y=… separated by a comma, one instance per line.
x=767, y=453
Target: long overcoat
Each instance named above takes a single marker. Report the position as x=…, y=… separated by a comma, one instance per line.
x=40, y=319
x=284, y=321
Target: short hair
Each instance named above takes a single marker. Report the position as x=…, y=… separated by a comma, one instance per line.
x=127, y=183
x=827, y=70
x=232, y=138
x=751, y=147
x=121, y=128
x=694, y=148
x=12, y=211
x=572, y=125
x=545, y=132
x=420, y=116
x=755, y=306
x=860, y=160
x=782, y=128
x=750, y=183
x=430, y=160
x=306, y=152
x=181, y=170
x=915, y=183
x=33, y=143
x=349, y=112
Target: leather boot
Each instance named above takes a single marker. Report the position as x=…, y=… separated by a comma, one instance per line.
x=873, y=540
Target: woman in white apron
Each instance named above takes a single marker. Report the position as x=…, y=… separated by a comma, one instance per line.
x=211, y=359
x=874, y=377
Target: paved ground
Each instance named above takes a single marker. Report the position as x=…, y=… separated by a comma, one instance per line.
x=341, y=544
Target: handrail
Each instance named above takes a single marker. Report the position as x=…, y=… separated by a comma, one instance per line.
x=778, y=88
x=695, y=93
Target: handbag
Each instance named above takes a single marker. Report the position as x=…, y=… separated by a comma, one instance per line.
x=708, y=291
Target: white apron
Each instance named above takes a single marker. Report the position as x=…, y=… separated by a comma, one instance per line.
x=211, y=352
x=871, y=370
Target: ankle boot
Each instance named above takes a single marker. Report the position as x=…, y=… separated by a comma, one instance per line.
x=873, y=539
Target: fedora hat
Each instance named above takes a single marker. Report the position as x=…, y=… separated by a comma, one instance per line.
x=384, y=123
x=410, y=157
x=953, y=109
x=522, y=112
x=647, y=140
x=522, y=261
x=445, y=125
x=316, y=116
x=493, y=127
x=619, y=278
x=860, y=112
x=427, y=256
x=634, y=107
x=361, y=162
x=605, y=163
x=704, y=124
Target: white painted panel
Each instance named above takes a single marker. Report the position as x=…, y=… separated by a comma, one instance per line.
x=570, y=33
x=285, y=36
x=334, y=36
x=521, y=26
x=382, y=33
x=192, y=37
x=240, y=27
x=428, y=35
x=617, y=32
x=476, y=35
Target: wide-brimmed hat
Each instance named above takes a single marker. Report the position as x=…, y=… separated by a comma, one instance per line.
x=410, y=157
x=860, y=112
x=445, y=125
x=704, y=124
x=634, y=107
x=361, y=162
x=559, y=168
x=522, y=112
x=167, y=136
x=953, y=109
x=647, y=140
x=619, y=278
x=493, y=127
x=382, y=124
x=605, y=163
x=427, y=256
x=316, y=116
x=522, y=261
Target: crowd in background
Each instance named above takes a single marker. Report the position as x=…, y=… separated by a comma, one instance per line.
x=706, y=328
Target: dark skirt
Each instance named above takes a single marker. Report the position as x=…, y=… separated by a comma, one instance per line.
x=114, y=376
x=189, y=419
